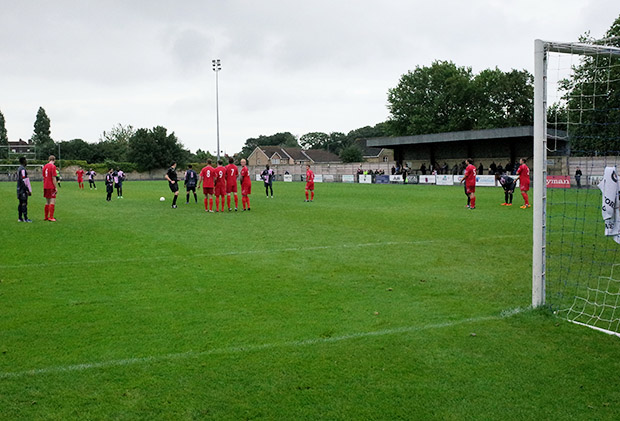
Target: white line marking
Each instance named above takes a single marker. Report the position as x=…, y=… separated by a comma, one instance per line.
x=248, y=348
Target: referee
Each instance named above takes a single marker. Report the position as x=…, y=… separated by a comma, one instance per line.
x=171, y=176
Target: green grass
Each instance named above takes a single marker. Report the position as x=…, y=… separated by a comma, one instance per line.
x=373, y=302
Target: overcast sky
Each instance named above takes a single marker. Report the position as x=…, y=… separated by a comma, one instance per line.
x=297, y=66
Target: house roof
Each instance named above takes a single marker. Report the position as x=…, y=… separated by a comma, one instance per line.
x=367, y=151
x=320, y=155
x=298, y=154
x=18, y=143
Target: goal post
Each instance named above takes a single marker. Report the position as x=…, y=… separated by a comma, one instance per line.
x=573, y=255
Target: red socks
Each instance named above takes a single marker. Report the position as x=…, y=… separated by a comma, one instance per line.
x=526, y=198
x=49, y=212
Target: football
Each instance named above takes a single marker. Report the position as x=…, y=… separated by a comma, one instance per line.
x=161, y=199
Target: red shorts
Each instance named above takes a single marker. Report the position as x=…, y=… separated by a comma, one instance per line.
x=80, y=180
x=310, y=185
x=49, y=193
x=220, y=189
x=231, y=187
x=246, y=189
x=207, y=190
x=470, y=189
x=524, y=187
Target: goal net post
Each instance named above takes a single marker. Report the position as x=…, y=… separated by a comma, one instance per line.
x=577, y=100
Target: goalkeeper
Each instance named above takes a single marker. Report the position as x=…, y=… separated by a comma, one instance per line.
x=509, y=184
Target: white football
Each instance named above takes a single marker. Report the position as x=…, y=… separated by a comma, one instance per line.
x=161, y=199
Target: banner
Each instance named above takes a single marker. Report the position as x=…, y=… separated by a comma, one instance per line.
x=426, y=179
x=328, y=178
x=365, y=179
x=348, y=178
x=396, y=178
x=258, y=177
x=558, y=181
x=444, y=180
x=288, y=177
x=383, y=179
x=481, y=180
x=318, y=178
x=485, y=181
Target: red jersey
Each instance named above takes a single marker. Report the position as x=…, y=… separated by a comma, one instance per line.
x=220, y=181
x=80, y=175
x=232, y=172
x=524, y=174
x=207, y=174
x=470, y=175
x=245, y=176
x=49, y=173
x=309, y=176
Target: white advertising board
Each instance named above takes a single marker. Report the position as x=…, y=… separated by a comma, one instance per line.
x=288, y=178
x=318, y=178
x=365, y=179
x=481, y=180
x=348, y=178
x=426, y=179
x=444, y=180
x=396, y=178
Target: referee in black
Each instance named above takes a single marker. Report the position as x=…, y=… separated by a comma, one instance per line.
x=171, y=176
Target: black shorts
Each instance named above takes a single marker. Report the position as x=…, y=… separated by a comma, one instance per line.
x=190, y=188
x=22, y=197
x=109, y=188
x=174, y=187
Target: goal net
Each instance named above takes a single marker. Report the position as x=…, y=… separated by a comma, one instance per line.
x=576, y=252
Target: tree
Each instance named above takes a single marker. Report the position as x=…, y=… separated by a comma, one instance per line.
x=314, y=140
x=42, y=135
x=4, y=139
x=445, y=98
x=592, y=98
x=503, y=99
x=203, y=156
x=351, y=153
x=77, y=149
x=153, y=149
x=115, y=142
x=278, y=139
x=431, y=100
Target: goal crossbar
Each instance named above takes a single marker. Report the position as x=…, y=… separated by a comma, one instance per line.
x=579, y=48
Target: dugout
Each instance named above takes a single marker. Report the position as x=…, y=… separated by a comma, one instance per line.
x=484, y=146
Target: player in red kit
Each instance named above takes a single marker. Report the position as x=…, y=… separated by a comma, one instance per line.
x=50, y=187
x=207, y=179
x=220, y=185
x=80, y=178
x=246, y=185
x=309, y=183
x=524, y=182
x=470, y=183
x=232, y=173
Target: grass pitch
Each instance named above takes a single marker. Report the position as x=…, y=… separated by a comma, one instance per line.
x=372, y=302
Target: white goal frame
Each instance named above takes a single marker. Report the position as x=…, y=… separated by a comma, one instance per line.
x=541, y=50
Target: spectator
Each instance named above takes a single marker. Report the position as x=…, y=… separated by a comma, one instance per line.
x=578, y=175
